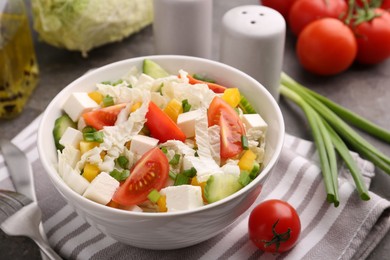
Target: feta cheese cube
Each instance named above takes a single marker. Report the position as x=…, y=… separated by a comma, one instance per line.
x=77, y=104
x=102, y=188
x=140, y=144
x=183, y=197
x=71, y=137
x=186, y=122
x=254, y=121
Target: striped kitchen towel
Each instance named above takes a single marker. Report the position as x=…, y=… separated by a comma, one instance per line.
x=350, y=231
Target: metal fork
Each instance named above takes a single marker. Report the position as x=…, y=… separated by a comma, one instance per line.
x=19, y=216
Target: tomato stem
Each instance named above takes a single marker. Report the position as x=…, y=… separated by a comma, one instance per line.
x=278, y=238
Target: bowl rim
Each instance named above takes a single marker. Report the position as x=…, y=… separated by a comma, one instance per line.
x=72, y=195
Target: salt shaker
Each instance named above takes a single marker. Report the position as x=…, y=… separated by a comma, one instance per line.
x=183, y=27
x=252, y=40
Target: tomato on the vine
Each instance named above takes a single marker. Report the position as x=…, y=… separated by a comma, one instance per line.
x=303, y=12
x=274, y=226
x=326, y=47
x=373, y=37
x=282, y=6
x=386, y=5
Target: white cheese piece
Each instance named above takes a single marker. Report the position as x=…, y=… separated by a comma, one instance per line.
x=71, y=137
x=77, y=104
x=254, y=121
x=182, y=197
x=102, y=188
x=81, y=124
x=74, y=180
x=140, y=144
x=186, y=122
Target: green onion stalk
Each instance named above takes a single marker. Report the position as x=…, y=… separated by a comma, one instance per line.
x=331, y=134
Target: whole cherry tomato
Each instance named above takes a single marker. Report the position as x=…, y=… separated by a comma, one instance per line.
x=304, y=12
x=282, y=6
x=274, y=226
x=373, y=38
x=326, y=47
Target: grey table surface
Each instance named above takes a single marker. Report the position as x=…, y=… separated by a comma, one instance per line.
x=364, y=90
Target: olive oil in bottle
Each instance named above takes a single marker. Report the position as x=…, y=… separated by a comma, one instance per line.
x=18, y=64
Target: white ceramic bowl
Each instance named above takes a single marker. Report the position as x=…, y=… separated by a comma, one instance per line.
x=176, y=229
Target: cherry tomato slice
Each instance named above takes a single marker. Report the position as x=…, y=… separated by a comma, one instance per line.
x=161, y=126
x=212, y=86
x=150, y=172
x=232, y=129
x=103, y=117
x=274, y=226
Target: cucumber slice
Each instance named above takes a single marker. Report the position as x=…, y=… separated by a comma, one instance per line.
x=60, y=125
x=220, y=186
x=246, y=106
x=255, y=170
x=153, y=69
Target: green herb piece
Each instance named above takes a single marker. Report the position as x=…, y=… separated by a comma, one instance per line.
x=122, y=161
x=175, y=160
x=120, y=175
x=107, y=82
x=94, y=137
x=120, y=81
x=154, y=196
x=186, y=106
x=172, y=175
x=164, y=150
x=88, y=129
x=203, y=78
x=255, y=170
x=244, y=142
x=244, y=178
x=108, y=101
x=191, y=173
x=181, y=179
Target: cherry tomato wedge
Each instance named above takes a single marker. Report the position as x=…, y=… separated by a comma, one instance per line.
x=161, y=126
x=232, y=129
x=274, y=226
x=212, y=86
x=150, y=172
x=103, y=117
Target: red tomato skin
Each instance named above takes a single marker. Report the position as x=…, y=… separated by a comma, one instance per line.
x=101, y=117
x=326, y=47
x=216, y=88
x=161, y=126
x=152, y=161
x=386, y=5
x=282, y=6
x=303, y=12
x=222, y=114
x=263, y=217
x=373, y=39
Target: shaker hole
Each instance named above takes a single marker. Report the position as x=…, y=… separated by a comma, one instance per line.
x=244, y=12
x=261, y=14
x=253, y=22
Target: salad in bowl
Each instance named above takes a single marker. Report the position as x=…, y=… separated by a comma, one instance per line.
x=151, y=141
x=154, y=155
